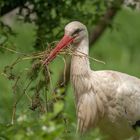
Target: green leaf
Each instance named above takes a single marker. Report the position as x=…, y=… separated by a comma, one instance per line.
x=58, y=107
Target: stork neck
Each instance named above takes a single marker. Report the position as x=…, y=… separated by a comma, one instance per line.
x=80, y=62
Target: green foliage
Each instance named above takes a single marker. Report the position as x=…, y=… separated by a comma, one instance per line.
x=25, y=128
x=43, y=128
x=51, y=16
x=5, y=32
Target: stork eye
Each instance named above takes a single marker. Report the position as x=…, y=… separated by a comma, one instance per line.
x=76, y=31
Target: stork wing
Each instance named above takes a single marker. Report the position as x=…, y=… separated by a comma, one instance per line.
x=87, y=112
x=123, y=94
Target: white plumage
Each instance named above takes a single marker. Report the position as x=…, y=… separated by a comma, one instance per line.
x=106, y=99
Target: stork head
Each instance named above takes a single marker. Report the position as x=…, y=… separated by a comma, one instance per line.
x=75, y=32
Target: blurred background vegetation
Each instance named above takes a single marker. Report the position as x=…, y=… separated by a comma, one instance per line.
x=33, y=105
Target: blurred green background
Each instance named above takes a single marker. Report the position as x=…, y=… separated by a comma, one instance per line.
x=118, y=47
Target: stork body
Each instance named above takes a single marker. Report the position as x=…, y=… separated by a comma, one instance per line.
x=108, y=99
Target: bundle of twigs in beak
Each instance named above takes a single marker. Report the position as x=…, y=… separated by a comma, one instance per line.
x=33, y=75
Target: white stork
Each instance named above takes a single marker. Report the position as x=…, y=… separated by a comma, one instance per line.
x=107, y=99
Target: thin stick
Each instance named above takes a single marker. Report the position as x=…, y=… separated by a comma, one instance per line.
x=11, y=50
x=65, y=66
x=46, y=98
x=51, y=85
x=14, y=113
x=92, y=58
x=28, y=97
x=17, y=101
x=83, y=55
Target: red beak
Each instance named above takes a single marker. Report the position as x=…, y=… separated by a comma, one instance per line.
x=65, y=41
